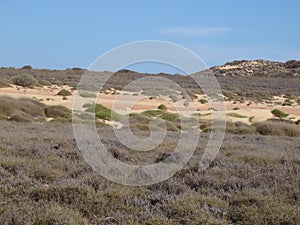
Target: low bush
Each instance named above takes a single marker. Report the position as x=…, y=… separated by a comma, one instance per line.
x=279, y=113
x=203, y=101
x=236, y=62
x=240, y=128
x=287, y=102
x=28, y=67
x=141, y=122
x=25, y=80
x=229, y=94
x=265, y=96
x=236, y=115
x=174, y=98
x=3, y=84
x=21, y=117
x=64, y=92
x=108, y=114
x=8, y=106
x=58, y=112
x=44, y=82
x=292, y=64
x=279, y=128
x=162, y=114
x=233, y=128
x=162, y=107
x=53, y=213
x=138, y=118
x=93, y=108
x=87, y=94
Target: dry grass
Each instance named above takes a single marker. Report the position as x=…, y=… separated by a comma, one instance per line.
x=45, y=180
x=24, y=106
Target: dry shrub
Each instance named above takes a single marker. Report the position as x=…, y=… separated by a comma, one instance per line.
x=3, y=84
x=10, y=106
x=58, y=112
x=64, y=92
x=233, y=128
x=279, y=128
x=21, y=117
x=162, y=107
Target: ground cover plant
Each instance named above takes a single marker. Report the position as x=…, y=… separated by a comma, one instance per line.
x=45, y=180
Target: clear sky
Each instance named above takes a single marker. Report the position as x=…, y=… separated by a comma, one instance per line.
x=61, y=34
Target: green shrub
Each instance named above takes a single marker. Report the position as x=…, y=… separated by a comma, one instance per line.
x=138, y=118
x=162, y=107
x=108, y=114
x=87, y=94
x=141, y=122
x=64, y=92
x=93, y=108
x=279, y=113
x=25, y=80
x=162, y=114
x=236, y=115
x=236, y=108
x=265, y=96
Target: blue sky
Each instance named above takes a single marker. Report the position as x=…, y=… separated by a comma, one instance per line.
x=61, y=34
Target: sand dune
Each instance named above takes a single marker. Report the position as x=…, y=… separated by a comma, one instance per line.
x=126, y=102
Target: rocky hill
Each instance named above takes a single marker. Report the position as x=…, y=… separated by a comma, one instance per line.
x=259, y=68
